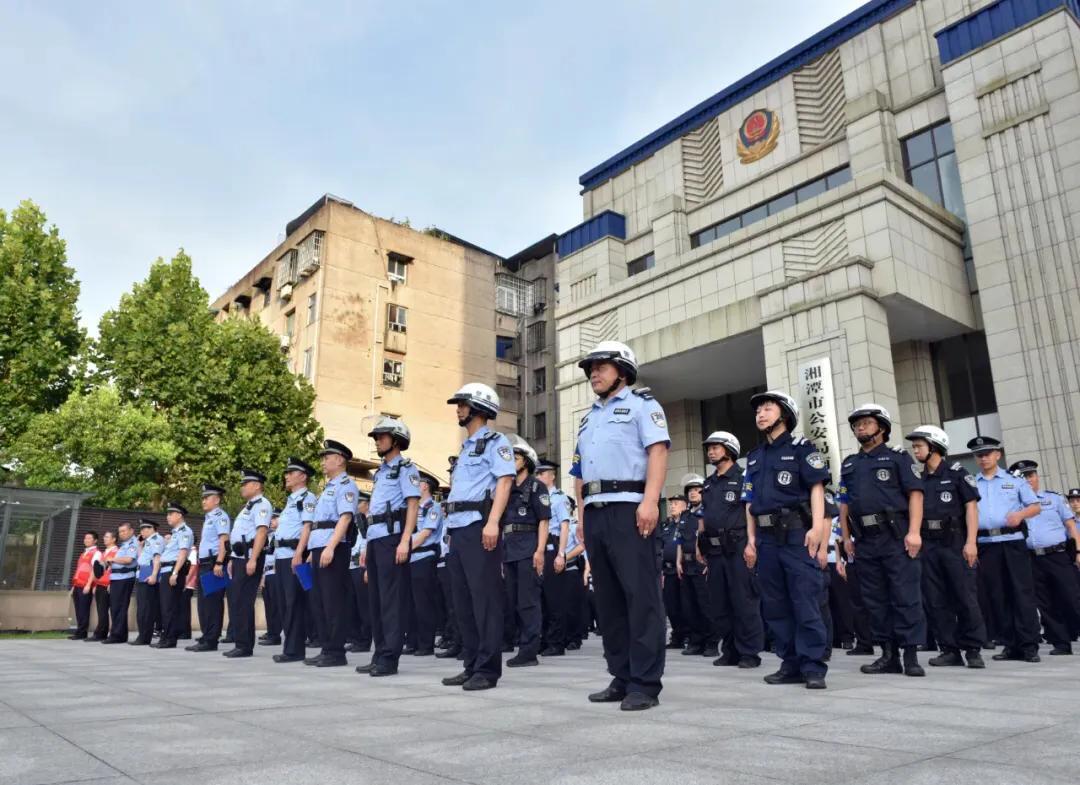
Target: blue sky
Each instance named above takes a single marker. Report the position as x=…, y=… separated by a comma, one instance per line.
x=141, y=128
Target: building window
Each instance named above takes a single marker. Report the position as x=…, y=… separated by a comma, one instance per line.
x=286, y=270
x=397, y=266
x=395, y=318
x=775, y=205
x=540, y=426
x=311, y=309
x=539, y=294
x=503, y=346
x=539, y=380
x=393, y=373
x=962, y=372
x=513, y=295
x=537, y=337
x=641, y=264
x=309, y=358
x=290, y=323
x=309, y=253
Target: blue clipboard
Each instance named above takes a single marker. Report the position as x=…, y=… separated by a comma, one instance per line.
x=303, y=574
x=212, y=584
x=145, y=571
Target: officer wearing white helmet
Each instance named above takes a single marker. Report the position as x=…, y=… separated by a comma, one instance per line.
x=881, y=502
x=733, y=592
x=690, y=570
x=787, y=538
x=525, y=536
x=480, y=489
x=949, y=530
x=395, y=501
x=620, y=464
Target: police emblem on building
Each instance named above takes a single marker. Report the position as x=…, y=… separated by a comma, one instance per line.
x=758, y=135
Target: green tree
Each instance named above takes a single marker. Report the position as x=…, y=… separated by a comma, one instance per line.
x=39, y=329
x=224, y=387
x=120, y=452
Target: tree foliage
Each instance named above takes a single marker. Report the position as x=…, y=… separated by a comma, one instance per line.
x=40, y=335
x=120, y=452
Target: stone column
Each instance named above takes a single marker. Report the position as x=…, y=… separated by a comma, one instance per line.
x=915, y=389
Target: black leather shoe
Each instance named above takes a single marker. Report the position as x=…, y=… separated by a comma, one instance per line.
x=638, y=701
x=366, y=668
x=674, y=645
x=477, y=683
x=974, y=659
x=1060, y=650
x=383, y=672
x=358, y=648
x=270, y=641
x=313, y=660
x=234, y=653
x=573, y=646
x=201, y=647
x=784, y=677
x=163, y=645
x=287, y=658
x=93, y=639
x=1032, y=657
x=947, y=659
x=711, y=651
x=553, y=651
x=521, y=661
x=815, y=682
x=138, y=643
x=693, y=651
x=450, y=653
x=423, y=652
x=456, y=681
x=860, y=650
x=76, y=637
x=749, y=662
x=331, y=662
x=888, y=662
x=1007, y=654
x=113, y=640
x=608, y=695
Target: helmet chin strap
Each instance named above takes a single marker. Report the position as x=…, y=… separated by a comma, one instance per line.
x=612, y=388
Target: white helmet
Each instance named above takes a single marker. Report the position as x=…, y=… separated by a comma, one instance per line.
x=614, y=352
x=932, y=435
x=726, y=439
x=788, y=408
x=877, y=411
x=396, y=428
x=479, y=397
x=522, y=447
x=692, y=481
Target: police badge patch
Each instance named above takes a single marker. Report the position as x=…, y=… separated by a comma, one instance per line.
x=883, y=475
x=545, y=500
x=658, y=418
x=433, y=515
x=729, y=496
x=349, y=496
x=816, y=460
x=506, y=453
x=415, y=480
x=522, y=512
x=946, y=497
x=784, y=478
x=916, y=469
x=970, y=481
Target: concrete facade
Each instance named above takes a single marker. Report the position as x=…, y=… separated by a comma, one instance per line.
x=337, y=328
x=865, y=267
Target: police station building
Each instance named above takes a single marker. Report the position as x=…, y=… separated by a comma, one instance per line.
x=887, y=212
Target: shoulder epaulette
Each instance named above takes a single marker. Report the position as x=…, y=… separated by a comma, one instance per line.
x=898, y=449
x=798, y=440
x=406, y=461
x=643, y=392
x=959, y=467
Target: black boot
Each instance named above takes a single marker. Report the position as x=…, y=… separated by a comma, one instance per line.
x=948, y=657
x=888, y=662
x=911, y=662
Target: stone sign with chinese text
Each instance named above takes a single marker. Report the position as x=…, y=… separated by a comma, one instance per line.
x=814, y=394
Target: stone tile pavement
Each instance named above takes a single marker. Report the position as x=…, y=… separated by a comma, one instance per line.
x=105, y=715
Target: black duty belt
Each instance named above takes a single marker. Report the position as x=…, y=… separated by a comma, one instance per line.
x=939, y=526
x=124, y=569
x=1000, y=531
x=786, y=519
x=427, y=549
x=596, y=487
x=168, y=563
x=397, y=516
x=240, y=549
x=295, y=543
x=210, y=561
x=1059, y=548
x=518, y=528
x=669, y=567
x=452, y=507
x=320, y=525
x=688, y=557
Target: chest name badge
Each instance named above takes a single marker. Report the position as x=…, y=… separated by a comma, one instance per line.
x=784, y=478
x=622, y=411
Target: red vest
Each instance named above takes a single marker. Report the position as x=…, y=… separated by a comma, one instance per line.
x=110, y=553
x=84, y=569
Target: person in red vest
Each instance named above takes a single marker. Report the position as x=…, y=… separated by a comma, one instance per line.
x=82, y=584
x=102, y=576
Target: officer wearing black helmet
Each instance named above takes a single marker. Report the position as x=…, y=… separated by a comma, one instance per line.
x=667, y=532
x=881, y=502
x=949, y=553
x=620, y=464
x=734, y=596
x=690, y=569
x=787, y=538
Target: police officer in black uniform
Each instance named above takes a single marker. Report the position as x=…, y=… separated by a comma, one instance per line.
x=881, y=500
x=666, y=532
x=949, y=553
x=733, y=591
x=690, y=569
x=788, y=538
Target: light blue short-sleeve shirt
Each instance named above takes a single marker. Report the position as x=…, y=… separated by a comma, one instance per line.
x=485, y=457
x=1000, y=495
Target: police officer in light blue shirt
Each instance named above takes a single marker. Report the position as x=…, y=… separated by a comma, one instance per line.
x=247, y=541
x=213, y=556
x=299, y=509
x=174, y=567
x=1057, y=592
x=1005, y=502
x=395, y=500
x=148, y=602
x=554, y=593
x=479, y=491
x=122, y=581
x=620, y=464
x=424, y=583
x=329, y=539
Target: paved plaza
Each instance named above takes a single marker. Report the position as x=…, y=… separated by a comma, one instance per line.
x=104, y=715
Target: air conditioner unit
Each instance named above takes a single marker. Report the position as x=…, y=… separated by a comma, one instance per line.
x=286, y=342
x=285, y=292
